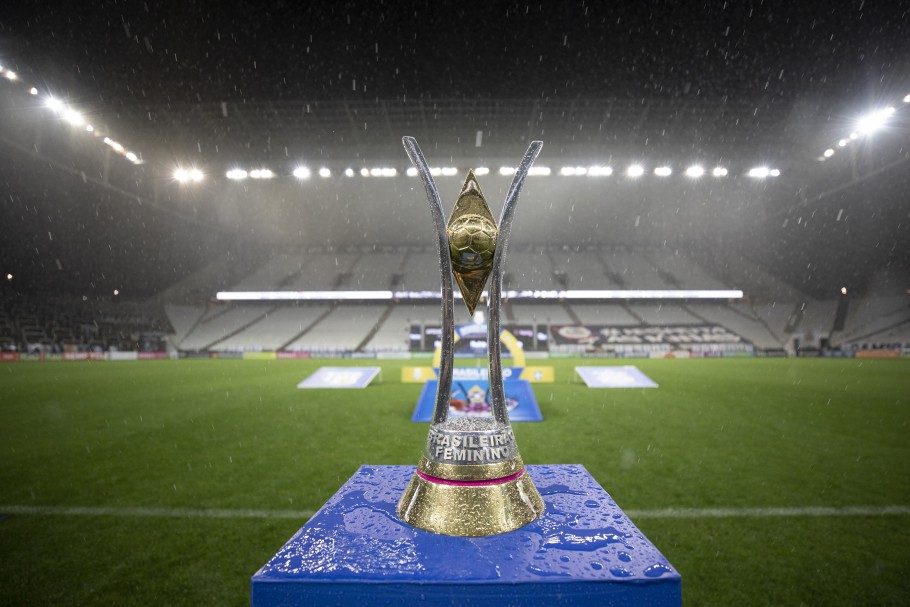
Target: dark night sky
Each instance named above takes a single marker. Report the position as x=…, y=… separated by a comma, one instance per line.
x=119, y=56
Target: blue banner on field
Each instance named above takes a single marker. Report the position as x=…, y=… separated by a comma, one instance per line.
x=469, y=399
x=340, y=377
x=614, y=377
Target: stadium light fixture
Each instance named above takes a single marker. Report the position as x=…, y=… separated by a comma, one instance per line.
x=829, y=153
x=507, y=171
x=695, y=171
x=387, y=172
x=364, y=172
x=116, y=146
x=302, y=173
x=9, y=276
x=376, y=172
x=759, y=172
x=33, y=91
x=411, y=172
x=636, y=170
x=481, y=171
x=663, y=171
x=854, y=136
x=873, y=121
x=324, y=172
x=185, y=175
x=116, y=291
x=349, y=172
x=89, y=128
x=54, y=104
x=262, y=174
x=449, y=171
x=10, y=75
x=73, y=117
x=843, y=290
x=907, y=98
x=131, y=157
x=539, y=171
x=719, y=172
x=842, y=143
x=236, y=174
x=774, y=172
x=600, y=171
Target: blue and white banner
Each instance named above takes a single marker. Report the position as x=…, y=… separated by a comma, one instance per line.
x=469, y=399
x=614, y=377
x=340, y=377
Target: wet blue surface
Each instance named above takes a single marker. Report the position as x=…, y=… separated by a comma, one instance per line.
x=583, y=551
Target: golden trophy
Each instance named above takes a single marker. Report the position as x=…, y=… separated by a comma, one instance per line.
x=471, y=480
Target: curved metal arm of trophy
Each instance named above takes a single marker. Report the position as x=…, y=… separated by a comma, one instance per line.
x=497, y=392
x=444, y=388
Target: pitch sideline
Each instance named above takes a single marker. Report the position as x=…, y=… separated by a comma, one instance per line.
x=665, y=513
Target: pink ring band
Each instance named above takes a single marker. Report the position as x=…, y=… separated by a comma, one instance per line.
x=481, y=483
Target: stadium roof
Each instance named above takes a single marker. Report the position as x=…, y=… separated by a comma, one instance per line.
x=334, y=86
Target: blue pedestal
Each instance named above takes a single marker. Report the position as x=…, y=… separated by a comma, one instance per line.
x=355, y=551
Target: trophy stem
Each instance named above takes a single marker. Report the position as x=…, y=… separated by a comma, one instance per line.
x=497, y=392
x=447, y=338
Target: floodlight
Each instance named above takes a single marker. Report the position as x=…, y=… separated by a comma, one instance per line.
x=349, y=172
x=874, y=120
x=182, y=175
x=262, y=174
x=10, y=75
x=89, y=128
x=302, y=173
x=196, y=175
x=324, y=172
x=33, y=91
x=829, y=153
x=543, y=171
x=376, y=172
x=54, y=104
x=695, y=171
x=719, y=172
x=73, y=117
x=636, y=170
x=113, y=144
x=116, y=292
x=906, y=98
x=774, y=172
x=392, y=172
x=9, y=276
x=481, y=171
x=843, y=290
x=364, y=172
x=236, y=174
x=412, y=172
x=598, y=171
x=663, y=171
x=854, y=135
x=842, y=143
x=760, y=172
x=449, y=171
x=506, y=170
x=435, y=171
x=131, y=157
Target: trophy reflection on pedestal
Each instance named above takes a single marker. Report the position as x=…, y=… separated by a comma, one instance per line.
x=471, y=480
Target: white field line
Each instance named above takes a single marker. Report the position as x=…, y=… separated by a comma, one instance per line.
x=160, y=512
x=810, y=511
x=690, y=513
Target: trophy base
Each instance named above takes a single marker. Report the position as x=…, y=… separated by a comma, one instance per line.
x=583, y=552
x=470, y=508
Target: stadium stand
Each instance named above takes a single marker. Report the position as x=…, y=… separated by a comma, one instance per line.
x=771, y=317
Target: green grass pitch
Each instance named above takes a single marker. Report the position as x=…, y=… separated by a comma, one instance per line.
x=229, y=434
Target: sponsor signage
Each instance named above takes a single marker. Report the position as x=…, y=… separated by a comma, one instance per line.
x=533, y=374
x=614, y=377
x=469, y=398
x=673, y=336
x=340, y=377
